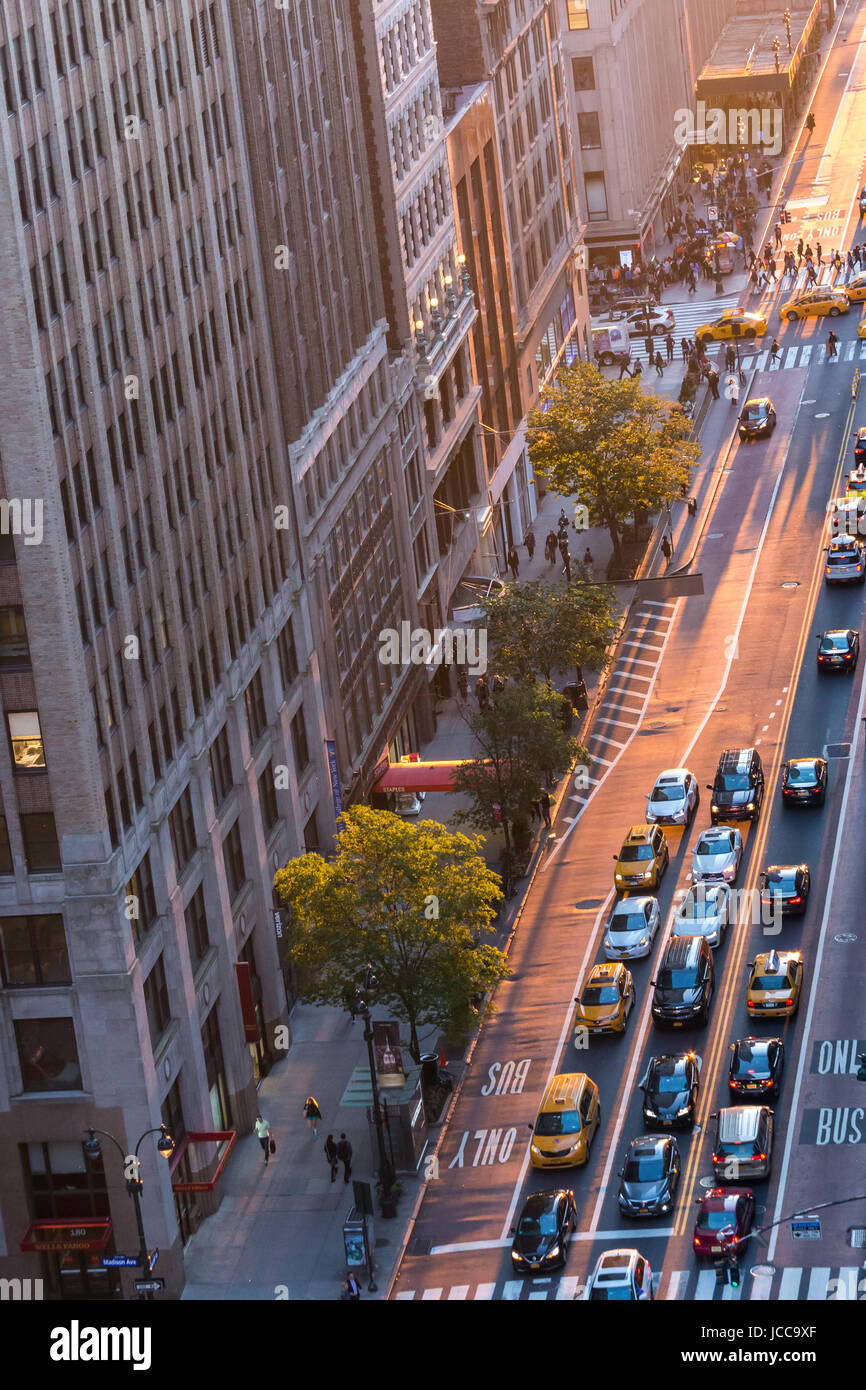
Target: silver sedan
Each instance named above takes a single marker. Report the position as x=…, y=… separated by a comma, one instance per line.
x=717, y=854
x=632, y=929
x=705, y=912
x=674, y=797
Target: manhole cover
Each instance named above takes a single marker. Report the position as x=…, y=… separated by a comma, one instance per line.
x=857, y=1237
x=765, y=1271
x=707, y=1183
x=420, y=1246
x=715, y=535
x=823, y=415
x=838, y=750
x=587, y=903
x=791, y=584
x=845, y=938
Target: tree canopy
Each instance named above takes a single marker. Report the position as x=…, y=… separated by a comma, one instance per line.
x=618, y=448
x=534, y=629
x=413, y=900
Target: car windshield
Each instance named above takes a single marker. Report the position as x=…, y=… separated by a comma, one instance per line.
x=669, y=1078
x=696, y=909
x=753, y=412
x=669, y=793
x=715, y=1220
x=734, y=782
x=621, y=1294
x=720, y=846
x=842, y=557
x=634, y=921
x=648, y=1168
x=599, y=994
x=543, y=1225
x=558, y=1122
x=802, y=772
x=771, y=982
x=734, y=1146
x=747, y=1062
x=835, y=642
x=632, y=853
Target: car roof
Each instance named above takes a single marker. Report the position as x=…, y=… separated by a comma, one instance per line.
x=681, y=949
x=672, y=774
x=736, y=759
x=739, y=1123
x=605, y=973
x=758, y=400
x=626, y=906
x=542, y=1201
x=647, y=1145
x=724, y=1198
x=639, y=834
x=784, y=958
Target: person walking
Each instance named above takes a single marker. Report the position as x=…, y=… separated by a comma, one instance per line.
x=637, y=370
x=331, y=1155
x=313, y=1115
x=730, y=357
x=685, y=348
x=623, y=369
x=463, y=692
x=732, y=389
x=667, y=550
x=344, y=1154
x=482, y=693
x=659, y=365
x=832, y=340
x=514, y=562
x=587, y=557
x=544, y=808
x=263, y=1134
x=351, y=1289
x=648, y=347
x=818, y=253
x=550, y=547
x=774, y=350
x=669, y=345
x=771, y=267
x=529, y=542
x=713, y=383
x=777, y=232
x=799, y=251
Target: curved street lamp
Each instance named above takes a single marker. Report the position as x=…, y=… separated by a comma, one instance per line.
x=134, y=1185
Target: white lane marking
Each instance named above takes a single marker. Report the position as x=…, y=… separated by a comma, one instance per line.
x=404, y=1295
x=678, y=1283
x=608, y=722
x=849, y=351
x=848, y=1277
x=791, y=357
x=660, y=603
x=457, y=1292
x=476, y=1244
x=706, y=1285
x=818, y=1280
x=761, y=1285
x=636, y=661
x=567, y=1287
x=641, y=643
x=597, y=758
x=431, y=1294
x=541, y=1294
x=512, y=1289
x=485, y=1291
x=853, y=762
x=633, y=675
x=789, y=1288
x=730, y=1295
x=601, y=738
x=805, y=355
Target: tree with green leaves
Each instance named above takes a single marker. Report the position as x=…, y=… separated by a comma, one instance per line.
x=616, y=447
x=414, y=901
x=534, y=629
x=521, y=740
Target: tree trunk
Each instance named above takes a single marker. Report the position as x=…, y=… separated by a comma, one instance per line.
x=614, y=536
x=414, y=1045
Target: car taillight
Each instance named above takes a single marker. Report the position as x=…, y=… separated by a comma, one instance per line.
x=816, y=791
x=759, y=1158
x=796, y=899
x=788, y=1003
x=696, y=1240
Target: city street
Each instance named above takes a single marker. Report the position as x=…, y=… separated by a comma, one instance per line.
x=733, y=668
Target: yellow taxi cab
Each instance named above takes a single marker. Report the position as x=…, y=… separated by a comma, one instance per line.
x=824, y=299
x=774, y=984
x=606, y=1000
x=855, y=485
x=861, y=328
x=566, y=1122
x=643, y=859
x=733, y=323
x=856, y=287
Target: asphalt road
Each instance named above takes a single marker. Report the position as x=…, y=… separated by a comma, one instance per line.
x=733, y=668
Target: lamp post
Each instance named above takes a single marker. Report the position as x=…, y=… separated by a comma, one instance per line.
x=435, y=317
x=134, y=1185
x=465, y=283
x=787, y=19
x=420, y=340
x=776, y=46
x=386, y=1176
x=451, y=298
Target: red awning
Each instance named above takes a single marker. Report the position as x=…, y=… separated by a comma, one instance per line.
x=219, y=1143
x=66, y=1235
x=418, y=777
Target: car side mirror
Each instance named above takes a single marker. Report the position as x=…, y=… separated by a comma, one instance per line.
x=512, y=1230
x=530, y=1126
x=653, y=984
x=709, y=786
x=615, y=857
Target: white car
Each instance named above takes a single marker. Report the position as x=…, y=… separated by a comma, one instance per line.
x=717, y=855
x=704, y=912
x=674, y=797
x=661, y=321
x=409, y=803
x=632, y=928
x=622, y=1276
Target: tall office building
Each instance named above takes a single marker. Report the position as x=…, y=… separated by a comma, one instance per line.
x=631, y=66
x=199, y=449
x=514, y=46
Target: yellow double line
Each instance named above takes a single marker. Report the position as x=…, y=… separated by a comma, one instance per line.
x=740, y=944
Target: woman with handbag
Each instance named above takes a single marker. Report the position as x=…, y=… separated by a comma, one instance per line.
x=263, y=1134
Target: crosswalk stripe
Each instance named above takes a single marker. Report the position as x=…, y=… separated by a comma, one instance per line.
x=706, y=1284
x=457, y=1292
x=633, y=642
x=730, y=1295
x=659, y=603
x=597, y=758
x=821, y=353
x=405, y=1295
x=848, y=351
x=485, y=1291
x=567, y=1287
x=633, y=675
x=431, y=1294
x=790, y=1285
x=541, y=1294
x=601, y=738
x=761, y=1285
x=818, y=1281
x=806, y=355
x=615, y=723
x=635, y=661
x=512, y=1289
x=677, y=1286
x=791, y=357
x=849, y=1278
x=625, y=690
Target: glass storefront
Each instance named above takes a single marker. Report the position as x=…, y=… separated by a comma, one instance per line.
x=64, y=1184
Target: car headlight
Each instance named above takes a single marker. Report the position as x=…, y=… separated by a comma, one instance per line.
x=652, y=1114
x=647, y=873
x=665, y=1207
x=714, y=809
x=729, y=871
x=553, y=1254
x=515, y=1257
x=751, y=806
x=533, y=1148
x=644, y=941
x=684, y=1110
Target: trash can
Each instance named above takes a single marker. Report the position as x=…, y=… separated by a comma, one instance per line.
x=429, y=1069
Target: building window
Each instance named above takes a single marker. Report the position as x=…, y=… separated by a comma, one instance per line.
x=577, y=13
x=26, y=738
x=197, y=937
x=589, y=130
x=156, y=1002
x=287, y=654
x=47, y=1054
x=41, y=850
x=268, y=800
x=182, y=826
x=299, y=741
x=220, y=761
x=215, y=1071
x=254, y=698
x=233, y=856
x=14, y=648
x=583, y=74
x=596, y=197
x=33, y=952
x=6, y=866
x=142, y=910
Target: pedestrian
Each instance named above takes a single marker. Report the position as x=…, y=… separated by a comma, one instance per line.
x=351, y=1289
x=463, y=692
x=587, y=557
x=550, y=547
x=637, y=370
x=713, y=382
x=771, y=267
x=732, y=389
x=331, y=1156
x=566, y=559
x=777, y=231
x=514, y=562
x=818, y=252
x=667, y=549
x=263, y=1134
x=623, y=369
x=692, y=287
x=544, y=807
x=774, y=350
x=482, y=693
x=730, y=357
x=344, y=1154
x=799, y=251
x=649, y=347
x=692, y=506
x=685, y=347
x=313, y=1114
x=351, y=993
x=562, y=523
x=659, y=366
x=832, y=340
x=497, y=685
x=529, y=542
x=669, y=344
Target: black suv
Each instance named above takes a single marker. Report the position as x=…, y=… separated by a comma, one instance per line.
x=739, y=786
x=684, y=986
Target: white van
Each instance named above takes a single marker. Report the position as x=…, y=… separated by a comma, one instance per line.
x=611, y=345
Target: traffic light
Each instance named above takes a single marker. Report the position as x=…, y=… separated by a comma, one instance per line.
x=733, y=1272
x=786, y=216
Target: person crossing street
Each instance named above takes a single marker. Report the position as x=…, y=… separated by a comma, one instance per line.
x=832, y=340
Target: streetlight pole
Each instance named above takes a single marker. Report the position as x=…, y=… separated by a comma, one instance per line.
x=134, y=1184
x=385, y=1173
